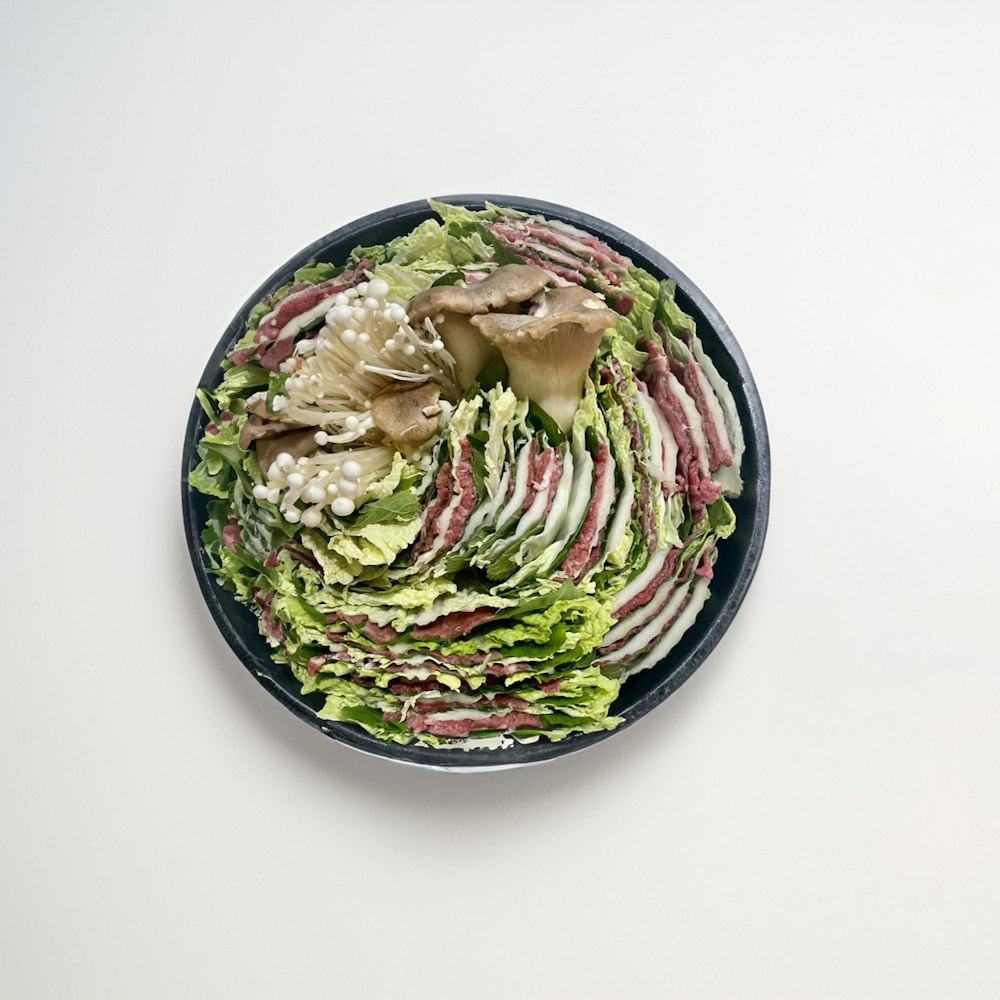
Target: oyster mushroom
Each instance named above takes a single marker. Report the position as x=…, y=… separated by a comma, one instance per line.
x=274, y=433
x=408, y=414
x=298, y=444
x=549, y=350
x=507, y=286
x=262, y=423
x=256, y=429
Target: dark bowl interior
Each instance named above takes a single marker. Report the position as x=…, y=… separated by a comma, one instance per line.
x=738, y=555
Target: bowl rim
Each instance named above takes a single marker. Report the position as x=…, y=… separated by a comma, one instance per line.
x=522, y=754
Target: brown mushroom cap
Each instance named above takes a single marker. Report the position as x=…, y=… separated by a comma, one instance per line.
x=507, y=284
x=256, y=429
x=556, y=307
x=406, y=413
x=298, y=444
x=262, y=423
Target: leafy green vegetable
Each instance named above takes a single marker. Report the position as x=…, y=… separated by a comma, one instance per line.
x=540, y=419
x=395, y=507
x=275, y=387
x=315, y=273
x=238, y=381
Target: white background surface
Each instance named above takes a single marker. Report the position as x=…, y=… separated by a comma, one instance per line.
x=815, y=814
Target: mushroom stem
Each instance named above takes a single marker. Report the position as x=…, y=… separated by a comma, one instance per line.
x=560, y=398
x=471, y=351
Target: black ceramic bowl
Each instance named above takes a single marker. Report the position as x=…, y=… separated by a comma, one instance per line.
x=738, y=555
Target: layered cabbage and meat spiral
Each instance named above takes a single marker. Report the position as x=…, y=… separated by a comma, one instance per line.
x=470, y=480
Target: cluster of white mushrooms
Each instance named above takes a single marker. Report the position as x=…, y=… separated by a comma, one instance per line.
x=365, y=352
x=366, y=343
x=334, y=479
